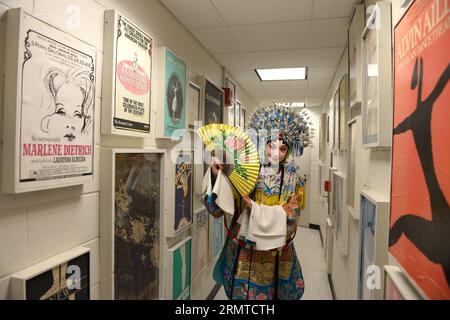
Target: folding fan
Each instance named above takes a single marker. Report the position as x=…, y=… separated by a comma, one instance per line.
x=238, y=150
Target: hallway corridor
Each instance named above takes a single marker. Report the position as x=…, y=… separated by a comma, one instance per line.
x=310, y=251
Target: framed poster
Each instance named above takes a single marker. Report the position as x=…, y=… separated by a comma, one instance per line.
x=231, y=118
x=183, y=191
x=343, y=97
x=130, y=222
x=213, y=103
x=328, y=128
x=242, y=118
x=193, y=106
x=373, y=223
x=322, y=135
x=354, y=59
x=216, y=228
x=178, y=284
x=376, y=77
x=397, y=285
x=49, y=100
x=339, y=216
x=232, y=85
x=200, y=241
x=337, y=118
x=354, y=166
x=237, y=114
x=420, y=193
x=127, y=77
x=63, y=277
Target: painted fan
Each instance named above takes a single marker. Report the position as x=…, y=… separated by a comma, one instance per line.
x=234, y=145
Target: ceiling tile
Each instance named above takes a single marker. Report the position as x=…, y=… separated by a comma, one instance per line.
x=235, y=60
x=277, y=59
x=241, y=75
x=201, y=15
x=333, y=9
x=216, y=40
x=321, y=73
x=326, y=57
x=329, y=33
x=239, y=12
x=273, y=36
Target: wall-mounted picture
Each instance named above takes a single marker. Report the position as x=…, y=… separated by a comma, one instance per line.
x=214, y=104
x=130, y=215
x=354, y=57
x=343, y=96
x=328, y=129
x=322, y=135
x=242, y=118
x=376, y=56
x=373, y=224
x=397, y=285
x=50, y=93
x=193, y=104
x=337, y=118
x=201, y=234
x=339, y=216
x=215, y=236
x=178, y=285
x=62, y=277
x=232, y=86
x=420, y=193
x=183, y=191
x=127, y=74
x=175, y=94
x=231, y=118
x=237, y=114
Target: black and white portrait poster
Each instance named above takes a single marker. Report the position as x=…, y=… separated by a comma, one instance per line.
x=132, y=83
x=56, y=103
x=213, y=103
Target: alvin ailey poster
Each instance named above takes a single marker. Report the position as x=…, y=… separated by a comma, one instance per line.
x=132, y=80
x=57, y=283
x=57, y=104
x=419, y=237
x=183, y=191
x=175, y=94
x=137, y=225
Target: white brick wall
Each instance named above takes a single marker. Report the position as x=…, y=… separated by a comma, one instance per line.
x=37, y=225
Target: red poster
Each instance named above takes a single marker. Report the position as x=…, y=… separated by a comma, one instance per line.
x=419, y=237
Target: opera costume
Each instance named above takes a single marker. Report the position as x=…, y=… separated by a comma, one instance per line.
x=258, y=260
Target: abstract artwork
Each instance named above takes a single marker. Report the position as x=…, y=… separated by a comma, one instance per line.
x=179, y=262
x=419, y=237
x=137, y=226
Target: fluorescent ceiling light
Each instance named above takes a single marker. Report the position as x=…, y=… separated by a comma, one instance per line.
x=281, y=74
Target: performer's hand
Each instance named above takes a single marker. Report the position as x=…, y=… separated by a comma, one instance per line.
x=215, y=166
x=248, y=202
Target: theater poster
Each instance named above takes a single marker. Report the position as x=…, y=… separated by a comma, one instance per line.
x=214, y=103
x=132, y=76
x=419, y=237
x=175, y=94
x=54, y=95
x=178, y=286
x=183, y=191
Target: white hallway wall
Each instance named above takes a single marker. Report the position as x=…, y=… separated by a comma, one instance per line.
x=376, y=175
x=38, y=225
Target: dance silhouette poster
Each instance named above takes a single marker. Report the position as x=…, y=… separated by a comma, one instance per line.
x=175, y=94
x=179, y=280
x=183, y=191
x=132, y=76
x=419, y=236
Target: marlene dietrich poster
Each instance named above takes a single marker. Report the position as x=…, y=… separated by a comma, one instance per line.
x=137, y=223
x=419, y=237
x=55, y=103
x=132, y=81
x=183, y=191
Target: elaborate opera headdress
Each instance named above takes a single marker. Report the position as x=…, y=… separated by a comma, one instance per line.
x=280, y=122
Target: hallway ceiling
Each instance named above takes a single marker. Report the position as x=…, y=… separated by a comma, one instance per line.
x=247, y=34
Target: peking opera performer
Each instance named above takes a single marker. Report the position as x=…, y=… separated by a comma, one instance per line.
x=258, y=260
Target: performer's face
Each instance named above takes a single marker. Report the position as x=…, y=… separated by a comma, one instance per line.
x=276, y=151
x=67, y=120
